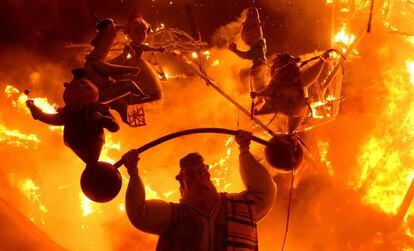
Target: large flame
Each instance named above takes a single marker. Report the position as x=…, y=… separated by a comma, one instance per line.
x=16, y=138
x=385, y=175
x=343, y=38
x=410, y=69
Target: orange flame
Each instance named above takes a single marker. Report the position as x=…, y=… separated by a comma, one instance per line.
x=18, y=139
x=323, y=147
x=384, y=176
x=410, y=69
x=343, y=39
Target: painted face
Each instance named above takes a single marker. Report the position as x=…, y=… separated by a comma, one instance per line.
x=253, y=12
x=80, y=92
x=137, y=30
x=106, y=31
x=196, y=180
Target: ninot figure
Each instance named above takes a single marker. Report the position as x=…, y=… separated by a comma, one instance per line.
x=83, y=118
x=103, y=73
x=285, y=92
x=252, y=35
x=204, y=219
x=137, y=30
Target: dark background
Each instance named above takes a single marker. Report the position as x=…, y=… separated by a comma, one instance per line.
x=42, y=27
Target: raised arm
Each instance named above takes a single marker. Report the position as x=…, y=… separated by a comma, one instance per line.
x=122, y=58
x=106, y=120
x=239, y=53
x=55, y=119
x=149, y=48
x=268, y=91
x=257, y=180
x=151, y=216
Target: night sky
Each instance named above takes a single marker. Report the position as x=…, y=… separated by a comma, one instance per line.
x=43, y=26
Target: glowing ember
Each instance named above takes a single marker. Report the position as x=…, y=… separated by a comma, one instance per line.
x=207, y=54
x=122, y=207
x=215, y=62
x=161, y=26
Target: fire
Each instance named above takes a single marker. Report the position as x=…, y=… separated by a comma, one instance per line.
x=88, y=207
x=385, y=175
x=358, y=4
x=410, y=69
x=343, y=39
x=323, y=147
x=18, y=139
x=20, y=101
x=10, y=90
x=411, y=39
x=31, y=191
x=161, y=26
x=220, y=169
x=150, y=193
x=207, y=54
x=215, y=62
x=110, y=145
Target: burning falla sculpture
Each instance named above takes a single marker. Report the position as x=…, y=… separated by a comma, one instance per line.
x=137, y=29
x=82, y=116
x=285, y=92
x=118, y=93
x=252, y=35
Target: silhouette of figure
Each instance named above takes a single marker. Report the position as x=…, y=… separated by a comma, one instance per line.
x=204, y=219
x=137, y=29
x=82, y=116
x=102, y=73
x=252, y=35
x=285, y=92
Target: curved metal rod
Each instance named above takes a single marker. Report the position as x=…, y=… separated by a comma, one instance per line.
x=187, y=132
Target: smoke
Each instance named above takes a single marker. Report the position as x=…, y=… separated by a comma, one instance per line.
x=228, y=33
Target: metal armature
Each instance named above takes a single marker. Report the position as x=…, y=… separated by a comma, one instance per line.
x=174, y=39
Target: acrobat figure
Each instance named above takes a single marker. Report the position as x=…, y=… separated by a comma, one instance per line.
x=204, y=219
x=102, y=73
x=252, y=35
x=285, y=92
x=137, y=29
x=82, y=116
